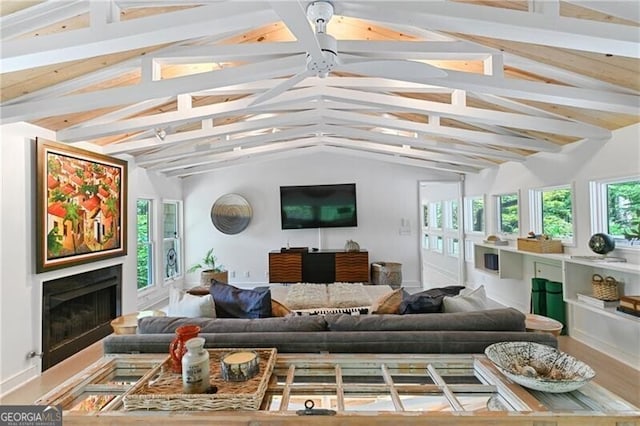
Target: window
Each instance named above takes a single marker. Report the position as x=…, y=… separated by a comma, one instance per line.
x=425, y=215
x=437, y=215
x=172, y=240
x=474, y=214
x=145, y=245
x=453, y=247
x=452, y=214
x=425, y=241
x=439, y=244
x=552, y=212
x=615, y=207
x=508, y=213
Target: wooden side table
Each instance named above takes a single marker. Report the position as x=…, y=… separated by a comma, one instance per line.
x=128, y=324
x=541, y=324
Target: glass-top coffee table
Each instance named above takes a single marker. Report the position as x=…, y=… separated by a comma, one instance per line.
x=350, y=389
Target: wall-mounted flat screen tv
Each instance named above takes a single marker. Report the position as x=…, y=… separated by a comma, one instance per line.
x=318, y=206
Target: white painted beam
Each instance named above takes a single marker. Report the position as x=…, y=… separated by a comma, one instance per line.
x=138, y=33
x=181, y=159
x=486, y=21
x=405, y=161
x=297, y=118
x=147, y=90
x=471, y=114
x=205, y=160
x=40, y=15
x=394, y=141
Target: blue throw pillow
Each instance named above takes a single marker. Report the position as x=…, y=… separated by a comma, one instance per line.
x=234, y=302
x=425, y=302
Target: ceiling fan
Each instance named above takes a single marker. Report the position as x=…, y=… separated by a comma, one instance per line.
x=322, y=53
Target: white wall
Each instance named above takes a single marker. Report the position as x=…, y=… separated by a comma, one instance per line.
x=20, y=286
x=386, y=194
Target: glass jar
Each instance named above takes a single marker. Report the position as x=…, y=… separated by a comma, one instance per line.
x=195, y=367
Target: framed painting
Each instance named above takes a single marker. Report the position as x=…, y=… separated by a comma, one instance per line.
x=81, y=206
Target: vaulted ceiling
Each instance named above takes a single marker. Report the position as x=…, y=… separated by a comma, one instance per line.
x=185, y=87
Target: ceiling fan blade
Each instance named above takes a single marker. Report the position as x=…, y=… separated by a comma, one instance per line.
x=417, y=72
x=295, y=17
x=282, y=87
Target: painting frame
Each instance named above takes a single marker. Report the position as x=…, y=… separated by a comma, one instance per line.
x=81, y=206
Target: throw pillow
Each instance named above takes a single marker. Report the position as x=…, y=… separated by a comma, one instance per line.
x=388, y=303
x=470, y=300
x=278, y=309
x=234, y=302
x=428, y=301
x=183, y=304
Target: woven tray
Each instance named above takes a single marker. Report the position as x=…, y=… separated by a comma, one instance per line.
x=161, y=389
x=540, y=246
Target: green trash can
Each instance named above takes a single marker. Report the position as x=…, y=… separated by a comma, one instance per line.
x=538, y=296
x=555, y=304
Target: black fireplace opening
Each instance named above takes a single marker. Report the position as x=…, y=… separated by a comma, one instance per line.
x=77, y=311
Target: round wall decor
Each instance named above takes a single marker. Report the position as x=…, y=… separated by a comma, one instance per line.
x=231, y=214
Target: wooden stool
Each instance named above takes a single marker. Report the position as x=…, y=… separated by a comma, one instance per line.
x=541, y=324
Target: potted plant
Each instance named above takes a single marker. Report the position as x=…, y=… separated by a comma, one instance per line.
x=210, y=269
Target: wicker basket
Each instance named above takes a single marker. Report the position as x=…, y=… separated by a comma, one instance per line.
x=161, y=389
x=604, y=288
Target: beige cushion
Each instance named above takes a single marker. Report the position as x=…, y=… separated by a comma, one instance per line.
x=183, y=304
x=279, y=309
x=466, y=301
x=387, y=303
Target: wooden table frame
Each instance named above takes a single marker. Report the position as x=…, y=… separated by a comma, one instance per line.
x=602, y=407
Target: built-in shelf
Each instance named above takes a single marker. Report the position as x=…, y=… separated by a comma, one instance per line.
x=577, y=273
x=609, y=312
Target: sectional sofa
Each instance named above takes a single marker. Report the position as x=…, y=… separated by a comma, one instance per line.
x=460, y=332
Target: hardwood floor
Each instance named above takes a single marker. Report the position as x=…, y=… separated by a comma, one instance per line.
x=611, y=374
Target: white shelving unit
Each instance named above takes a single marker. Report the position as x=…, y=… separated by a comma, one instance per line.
x=605, y=329
x=509, y=262
x=578, y=274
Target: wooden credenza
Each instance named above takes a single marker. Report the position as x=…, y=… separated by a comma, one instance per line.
x=322, y=266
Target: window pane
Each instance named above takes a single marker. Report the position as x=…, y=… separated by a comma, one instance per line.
x=623, y=210
x=145, y=266
x=477, y=215
x=508, y=213
x=144, y=248
x=170, y=220
x=438, y=215
x=557, y=214
x=425, y=215
x=454, y=215
x=171, y=251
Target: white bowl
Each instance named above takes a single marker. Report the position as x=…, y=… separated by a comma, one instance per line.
x=568, y=372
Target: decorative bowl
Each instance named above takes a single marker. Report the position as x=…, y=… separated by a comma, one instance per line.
x=539, y=367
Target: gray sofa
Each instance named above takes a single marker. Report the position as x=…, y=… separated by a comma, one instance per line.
x=466, y=332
